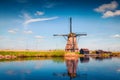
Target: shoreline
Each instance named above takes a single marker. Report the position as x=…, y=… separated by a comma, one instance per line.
x=56, y=53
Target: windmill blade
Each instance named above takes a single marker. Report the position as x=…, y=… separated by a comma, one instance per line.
x=60, y=35
x=70, y=25
x=81, y=34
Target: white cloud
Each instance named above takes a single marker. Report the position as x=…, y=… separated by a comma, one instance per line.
x=111, y=14
x=28, y=32
x=38, y=20
x=13, y=31
x=105, y=7
x=1, y=37
x=26, y=16
x=116, y=36
x=38, y=37
x=108, y=10
x=28, y=19
x=39, y=13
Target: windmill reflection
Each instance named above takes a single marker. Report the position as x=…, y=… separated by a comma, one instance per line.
x=72, y=68
x=71, y=64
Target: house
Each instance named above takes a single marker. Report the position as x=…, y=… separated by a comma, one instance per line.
x=101, y=52
x=84, y=51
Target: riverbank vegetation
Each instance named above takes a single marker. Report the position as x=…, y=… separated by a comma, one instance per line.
x=55, y=53
x=51, y=53
x=114, y=54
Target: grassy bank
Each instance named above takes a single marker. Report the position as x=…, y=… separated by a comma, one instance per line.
x=114, y=54
x=57, y=53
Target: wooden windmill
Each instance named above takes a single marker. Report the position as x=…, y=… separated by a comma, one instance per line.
x=71, y=45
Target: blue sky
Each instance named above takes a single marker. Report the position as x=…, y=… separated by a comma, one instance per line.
x=30, y=24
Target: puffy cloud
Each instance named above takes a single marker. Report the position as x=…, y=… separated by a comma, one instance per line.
x=28, y=32
x=13, y=31
x=108, y=10
x=39, y=13
x=111, y=14
x=38, y=37
x=116, y=36
x=1, y=37
x=112, y=6
x=38, y=19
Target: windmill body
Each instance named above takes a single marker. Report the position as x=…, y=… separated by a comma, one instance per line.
x=71, y=45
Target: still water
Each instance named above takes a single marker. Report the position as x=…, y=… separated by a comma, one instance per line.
x=85, y=68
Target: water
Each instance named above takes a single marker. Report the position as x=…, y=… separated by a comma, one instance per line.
x=60, y=69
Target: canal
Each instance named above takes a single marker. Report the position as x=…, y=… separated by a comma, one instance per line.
x=58, y=68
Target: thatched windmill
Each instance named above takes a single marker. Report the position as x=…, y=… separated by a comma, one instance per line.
x=71, y=45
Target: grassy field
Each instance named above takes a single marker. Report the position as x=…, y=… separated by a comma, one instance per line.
x=55, y=53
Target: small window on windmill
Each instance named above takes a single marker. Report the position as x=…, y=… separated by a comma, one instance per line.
x=84, y=51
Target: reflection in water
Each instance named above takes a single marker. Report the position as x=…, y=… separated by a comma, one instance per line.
x=72, y=68
x=69, y=68
x=84, y=59
x=102, y=58
x=21, y=69
x=10, y=72
x=71, y=64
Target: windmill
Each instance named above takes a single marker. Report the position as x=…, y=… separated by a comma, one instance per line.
x=71, y=45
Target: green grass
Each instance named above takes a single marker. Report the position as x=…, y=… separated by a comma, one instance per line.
x=57, y=53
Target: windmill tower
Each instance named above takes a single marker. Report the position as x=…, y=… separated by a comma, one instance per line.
x=71, y=45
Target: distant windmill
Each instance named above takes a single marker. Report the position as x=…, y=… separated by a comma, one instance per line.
x=71, y=39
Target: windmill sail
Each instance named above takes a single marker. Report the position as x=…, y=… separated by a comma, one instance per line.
x=71, y=45
x=70, y=25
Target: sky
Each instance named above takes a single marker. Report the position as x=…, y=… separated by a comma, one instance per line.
x=30, y=24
